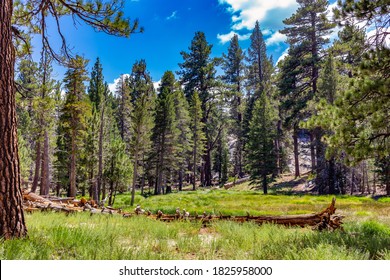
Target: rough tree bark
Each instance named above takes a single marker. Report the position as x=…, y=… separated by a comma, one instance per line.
x=45, y=180
x=278, y=148
x=37, y=167
x=72, y=176
x=296, y=152
x=12, y=223
x=207, y=166
x=100, y=164
x=135, y=175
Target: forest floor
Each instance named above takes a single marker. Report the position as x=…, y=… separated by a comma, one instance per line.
x=366, y=233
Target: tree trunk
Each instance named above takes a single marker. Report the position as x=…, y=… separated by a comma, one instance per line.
x=387, y=175
x=265, y=189
x=240, y=134
x=12, y=224
x=45, y=179
x=194, y=163
x=103, y=189
x=296, y=152
x=111, y=192
x=207, y=167
x=321, y=177
x=168, y=182
x=72, y=175
x=312, y=152
x=363, y=172
x=100, y=156
x=331, y=176
x=135, y=175
x=278, y=148
x=180, y=179
x=160, y=165
x=37, y=167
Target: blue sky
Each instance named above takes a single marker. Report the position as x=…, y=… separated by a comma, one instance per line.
x=169, y=28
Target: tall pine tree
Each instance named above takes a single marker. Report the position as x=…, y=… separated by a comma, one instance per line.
x=198, y=75
x=260, y=146
x=234, y=71
x=165, y=134
x=143, y=96
x=307, y=32
x=97, y=92
x=74, y=115
x=198, y=136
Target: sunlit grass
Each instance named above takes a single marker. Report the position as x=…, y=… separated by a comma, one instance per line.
x=81, y=236
x=56, y=236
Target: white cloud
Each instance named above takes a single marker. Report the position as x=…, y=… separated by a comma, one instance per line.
x=245, y=13
x=112, y=86
x=282, y=56
x=172, y=16
x=224, y=38
x=266, y=32
x=156, y=85
x=275, y=39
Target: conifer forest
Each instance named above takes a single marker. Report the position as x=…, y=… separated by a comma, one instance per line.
x=321, y=112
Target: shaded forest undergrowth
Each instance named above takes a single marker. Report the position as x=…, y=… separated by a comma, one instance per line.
x=366, y=232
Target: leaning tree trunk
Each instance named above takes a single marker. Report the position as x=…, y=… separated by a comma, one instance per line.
x=12, y=222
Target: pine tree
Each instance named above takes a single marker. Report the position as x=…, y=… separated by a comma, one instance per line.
x=90, y=157
x=260, y=147
x=97, y=92
x=362, y=110
x=221, y=159
x=165, y=134
x=118, y=169
x=357, y=116
x=45, y=107
x=125, y=108
x=198, y=136
x=142, y=92
x=327, y=90
x=184, y=145
x=27, y=95
x=106, y=17
x=258, y=62
x=306, y=32
x=258, y=73
x=233, y=66
x=198, y=74
x=74, y=115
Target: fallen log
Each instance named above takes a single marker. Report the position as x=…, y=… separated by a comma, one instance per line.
x=33, y=197
x=66, y=200
x=326, y=219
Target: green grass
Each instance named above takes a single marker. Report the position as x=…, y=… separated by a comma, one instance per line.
x=81, y=236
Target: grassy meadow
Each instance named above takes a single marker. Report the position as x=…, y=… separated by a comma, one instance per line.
x=80, y=236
